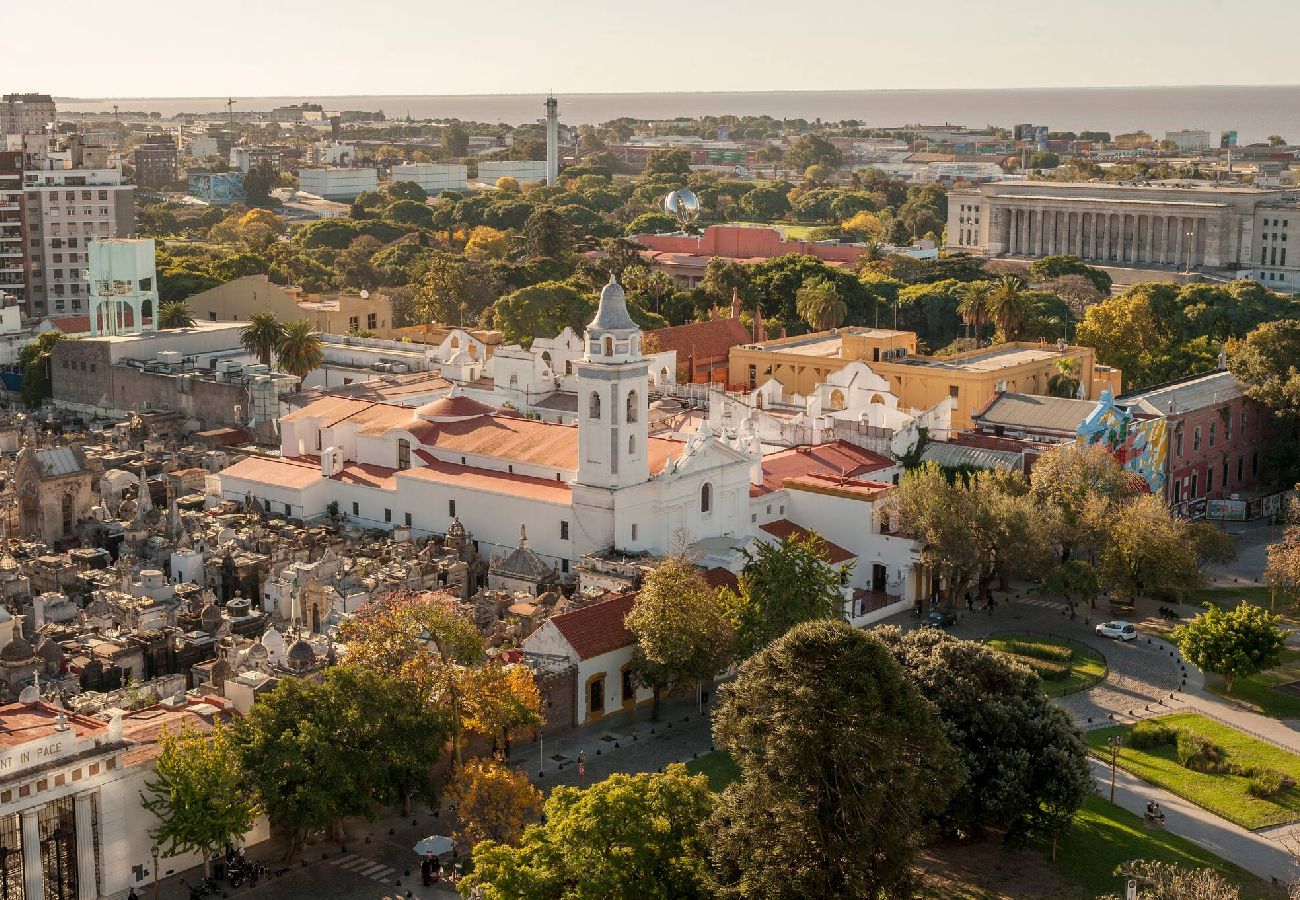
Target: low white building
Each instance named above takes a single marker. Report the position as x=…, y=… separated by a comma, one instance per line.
x=339, y=184
x=434, y=177
x=521, y=170
x=70, y=807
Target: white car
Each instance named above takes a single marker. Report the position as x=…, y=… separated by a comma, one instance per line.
x=1120, y=631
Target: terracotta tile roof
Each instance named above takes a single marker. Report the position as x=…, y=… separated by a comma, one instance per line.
x=488, y=480
x=224, y=437
x=718, y=577
x=597, y=629
x=702, y=340
x=367, y=475
x=838, y=458
x=843, y=487
x=454, y=407
x=329, y=409
x=288, y=473
x=530, y=441
x=21, y=723
x=145, y=726
x=784, y=528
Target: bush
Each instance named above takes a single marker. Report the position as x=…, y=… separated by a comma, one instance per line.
x=1266, y=783
x=1200, y=754
x=1049, y=652
x=1048, y=671
x=1146, y=735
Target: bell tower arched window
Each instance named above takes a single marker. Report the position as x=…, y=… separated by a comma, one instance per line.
x=706, y=497
x=609, y=345
x=632, y=406
x=593, y=410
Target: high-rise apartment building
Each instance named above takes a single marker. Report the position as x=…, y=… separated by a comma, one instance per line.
x=67, y=196
x=155, y=161
x=26, y=113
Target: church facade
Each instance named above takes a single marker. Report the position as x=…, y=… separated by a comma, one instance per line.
x=602, y=484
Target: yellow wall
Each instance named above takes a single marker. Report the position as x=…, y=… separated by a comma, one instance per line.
x=236, y=301
x=919, y=386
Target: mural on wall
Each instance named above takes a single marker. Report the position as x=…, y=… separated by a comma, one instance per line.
x=1139, y=444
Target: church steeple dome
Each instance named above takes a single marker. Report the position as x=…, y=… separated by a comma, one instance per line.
x=611, y=314
x=612, y=336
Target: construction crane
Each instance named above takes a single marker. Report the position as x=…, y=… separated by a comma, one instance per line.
x=230, y=112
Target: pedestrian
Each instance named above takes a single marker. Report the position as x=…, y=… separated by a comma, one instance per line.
x=916, y=610
x=970, y=602
x=426, y=871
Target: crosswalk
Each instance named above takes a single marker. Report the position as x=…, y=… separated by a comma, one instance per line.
x=1039, y=601
x=359, y=865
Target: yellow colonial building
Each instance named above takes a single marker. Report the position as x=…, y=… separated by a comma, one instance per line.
x=971, y=379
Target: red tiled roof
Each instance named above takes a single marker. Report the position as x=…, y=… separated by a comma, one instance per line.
x=367, y=475
x=838, y=458
x=21, y=723
x=597, y=629
x=475, y=478
x=280, y=472
x=718, y=577
x=701, y=340
x=784, y=528
x=457, y=407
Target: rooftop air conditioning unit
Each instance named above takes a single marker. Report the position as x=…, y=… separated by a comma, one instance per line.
x=383, y=367
x=399, y=368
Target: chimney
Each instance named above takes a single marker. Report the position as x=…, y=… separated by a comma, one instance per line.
x=735, y=303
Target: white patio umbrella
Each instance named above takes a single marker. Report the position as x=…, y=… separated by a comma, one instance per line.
x=434, y=845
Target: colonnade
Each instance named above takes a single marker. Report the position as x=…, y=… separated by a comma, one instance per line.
x=1122, y=238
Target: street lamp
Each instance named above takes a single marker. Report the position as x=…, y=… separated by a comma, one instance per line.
x=1190, y=235
x=541, y=735
x=153, y=851
x=1113, y=743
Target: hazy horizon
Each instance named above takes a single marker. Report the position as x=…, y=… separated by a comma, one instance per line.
x=331, y=48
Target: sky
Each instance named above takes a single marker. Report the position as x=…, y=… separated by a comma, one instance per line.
x=185, y=48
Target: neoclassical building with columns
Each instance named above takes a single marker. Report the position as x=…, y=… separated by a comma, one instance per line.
x=1184, y=225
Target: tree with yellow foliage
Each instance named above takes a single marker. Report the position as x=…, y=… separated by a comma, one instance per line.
x=486, y=243
x=501, y=702
x=493, y=802
x=866, y=225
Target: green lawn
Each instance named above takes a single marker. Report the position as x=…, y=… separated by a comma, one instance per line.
x=793, y=232
x=718, y=765
x=1087, y=666
x=1104, y=836
x=1228, y=596
x=1222, y=794
x=1258, y=690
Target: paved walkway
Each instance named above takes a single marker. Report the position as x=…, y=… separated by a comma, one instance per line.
x=1269, y=859
x=620, y=742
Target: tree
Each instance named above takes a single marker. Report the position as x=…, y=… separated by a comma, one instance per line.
x=1283, y=569
x=1065, y=381
x=507, y=185
x=1167, y=881
x=723, y=278
x=1276, y=140
x=262, y=335
x=651, y=223
x=34, y=358
x=626, y=836
x=781, y=585
x=258, y=182
x=501, y=702
x=1074, y=580
x=1079, y=487
x=175, y=314
x=1235, y=644
x=819, y=304
x=493, y=802
x=407, y=190
x=812, y=150
x=542, y=309
x=1265, y=364
x=976, y=298
x=487, y=243
x=299, y=352
x=445, y=288
x=766, y=204
x=1148, y=552
x=864, y=225
x=199, y=793
x=842, y=761
x=409, y=212
x=681, y=627
x=320, y=752
x=1051, y=267
x=1025, y=764
x=547, y=233
x=1007, y=306
x=455, y=141
x=664, y=161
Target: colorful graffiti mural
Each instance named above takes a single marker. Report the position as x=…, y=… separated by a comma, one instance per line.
x=1141, y=445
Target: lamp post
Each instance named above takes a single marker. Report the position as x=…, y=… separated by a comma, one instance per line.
x=541, y=735
x=1113, y=743
x=1190, y=235
x=153, y=851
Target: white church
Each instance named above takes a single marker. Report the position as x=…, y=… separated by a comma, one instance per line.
x=602, y=484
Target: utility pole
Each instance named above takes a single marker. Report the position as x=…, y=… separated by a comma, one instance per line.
x=1114, y=756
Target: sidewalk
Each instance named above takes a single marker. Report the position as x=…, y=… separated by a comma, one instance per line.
x=1253, y=852
x=625, y=741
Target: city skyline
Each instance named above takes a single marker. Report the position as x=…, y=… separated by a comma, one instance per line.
x=682, y=48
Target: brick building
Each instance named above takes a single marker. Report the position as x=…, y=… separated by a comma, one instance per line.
x=155, y=161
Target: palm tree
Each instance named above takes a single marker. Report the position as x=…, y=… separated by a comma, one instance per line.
x=175, y=314
x=1008, y=305
x=974, y=303
x=299, y=351
x=818, y=303
x=1065, y=383
x=262, y=336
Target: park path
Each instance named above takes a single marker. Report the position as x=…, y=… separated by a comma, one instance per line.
x=1254, y=852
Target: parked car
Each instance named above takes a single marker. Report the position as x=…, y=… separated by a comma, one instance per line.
x=938, y=619
x=1119, y=630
